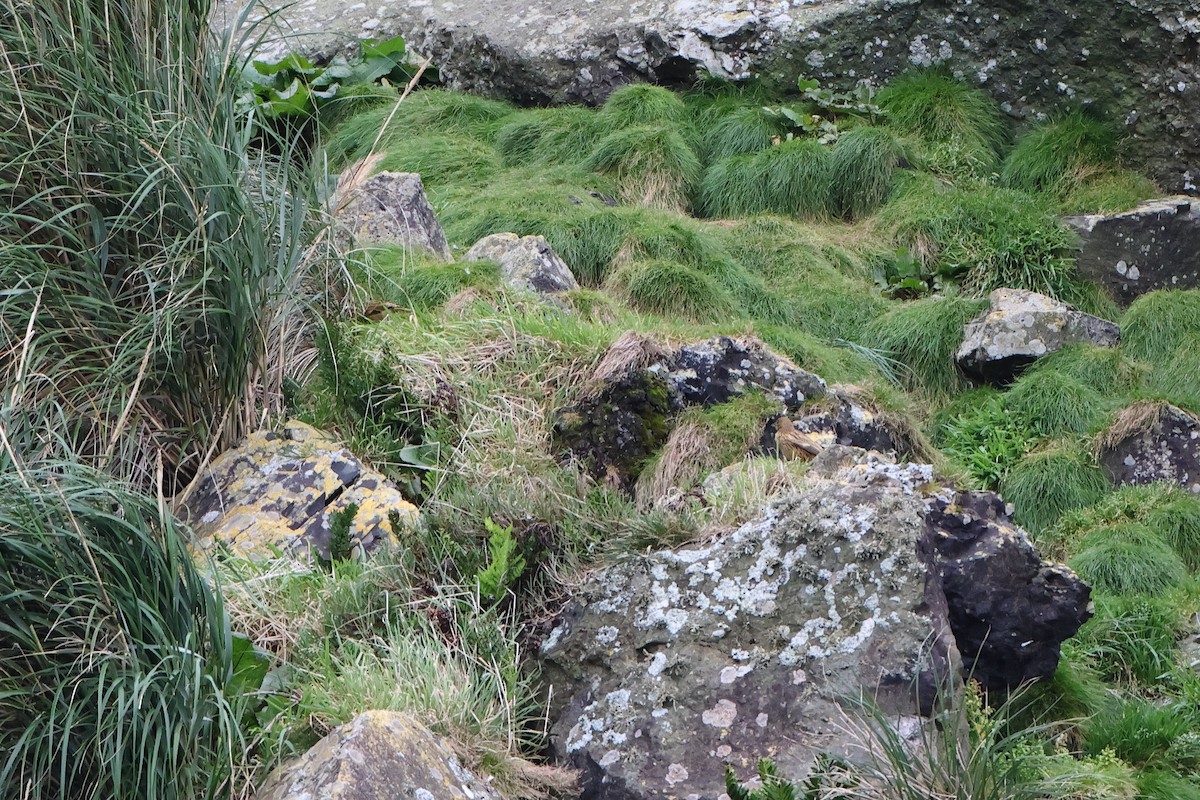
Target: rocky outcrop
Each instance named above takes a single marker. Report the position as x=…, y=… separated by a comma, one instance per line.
x=391, y=208
x=717, y=370
x=1033, y=57
x=668, y=666
x=1021, y=327
x=527, y=263
x=847, y=422
x=379, y=755
x=276, y=491
x=1152, y=442
x=1154, y=246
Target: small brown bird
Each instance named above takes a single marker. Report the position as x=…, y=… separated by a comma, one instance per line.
x=792, y=444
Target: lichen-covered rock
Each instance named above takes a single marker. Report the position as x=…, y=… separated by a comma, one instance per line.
x=1009, y=610
x=275, y=492
x=1033, y=57
x=1154, y=442
x=527, y=263
x=1154, y=246
x=717, y=370
x=1021, y=327
x=379, y=755
x=613, y=431
x=391, y=208
x=668, y=666
x=848, y=423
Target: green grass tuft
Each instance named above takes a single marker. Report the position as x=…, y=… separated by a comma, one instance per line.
x=642, y=104
x=1171, y=511
x=1159, y=323
x=943, y=111
x=1108, y=193
x=652, y=164
x=669, y=288
x=1137, y=731
x=549, y=136
x=1160, y=784
x=791, y=178
x=1107, y=370
x=862, y=169
x=738, y=132
x=979, y=435
x=1128, y=559
x=1053, y=403
x=1178, y=379
x=924, y=335
x=1130, y=639
x=1051, y=481
x=442, y=159
x=1054, y=156
x=423, y=284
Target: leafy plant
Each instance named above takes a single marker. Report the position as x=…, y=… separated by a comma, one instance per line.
x=341, y=523
x=506, y=564
x=821, y=110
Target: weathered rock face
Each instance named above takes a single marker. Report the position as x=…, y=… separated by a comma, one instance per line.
x=1021, y=327
x=666, y=667
x=1033, y=57
x=277, y=490
x=717, y=370
x=1154, y=246
x=391, y=208
x=527, y=263
x=379, y=755
x=847, y=423
x=1009, y=610
x=1158, y=443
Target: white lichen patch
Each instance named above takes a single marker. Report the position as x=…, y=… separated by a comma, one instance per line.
x=721, y=715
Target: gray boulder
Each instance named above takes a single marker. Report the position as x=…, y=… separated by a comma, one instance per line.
x=391, y=208
x=1154, y=246
x=1033, y=57
x=379, y=755
x=667, y=666
x=1021, y=327
x=1152, y=442
x=527, y=263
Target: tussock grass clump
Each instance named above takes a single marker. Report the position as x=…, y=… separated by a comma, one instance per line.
x=810, y=352
x=642, y=104
x=1171, y=511
x=739, y=131
x=1053, y=403
x=987, y=238
x=792, y=178
x=667, y=287
x=1107, y=193
x=1178, y=380
x=116, y=656
x=937, y=108
x=1052, y=156
x=1128, y=559
x=924, y=336
x=1158, y=323
x=653, y=165
x=1158, y=784
x=1051, y=481
x=1107, y=370
x=862, y=169
x=1130, y=639
x=423, y=284
x=549, y=135
x=442, y=159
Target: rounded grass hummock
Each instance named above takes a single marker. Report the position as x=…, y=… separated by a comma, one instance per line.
x=924, y=335
x=1052, y=156
x=1107, y=370
x=738, y=132
x=670, y=288
x=563, y=135
x=1158, y=323
x=862, y=169
x=642, y=104
x=1051, y=481
x=442, y=159
x=1053, y=403
x=1171, y=511
x=653, y=165
x=1110, y=192
x=791, y=178
x=424, y=283
x=1128, y=559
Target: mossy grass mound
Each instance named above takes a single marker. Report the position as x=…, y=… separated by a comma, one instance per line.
x=549, y=136
x=1055, y=156
x=943, y=111
x=791, y=178
x=653, y=164
x=671, y=288
x=1107, y=370
x=639, y=104
x=862, y=169
x=1173, y=512
x=1054, y=403
x=924, y=335
x=1157, y=324
x=1128, y=559
x=1051, y=481
x=986, y=238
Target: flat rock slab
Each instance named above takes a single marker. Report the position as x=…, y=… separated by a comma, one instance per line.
x=275, y=493
x=1021, y=327
x=379, y=755
x=1031, y=56
x=1157, y=442
x=1154, y=246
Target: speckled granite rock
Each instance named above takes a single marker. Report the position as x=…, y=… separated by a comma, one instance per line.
x=379, y=755
x=1034, y=57
x=1021, y=327
x=1154, y=246
x=668, y=666
x=276, y=491
x=1154, y=442
x=391, y=208
x=528, y=263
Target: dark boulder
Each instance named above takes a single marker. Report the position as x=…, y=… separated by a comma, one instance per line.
x=1152, y=442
